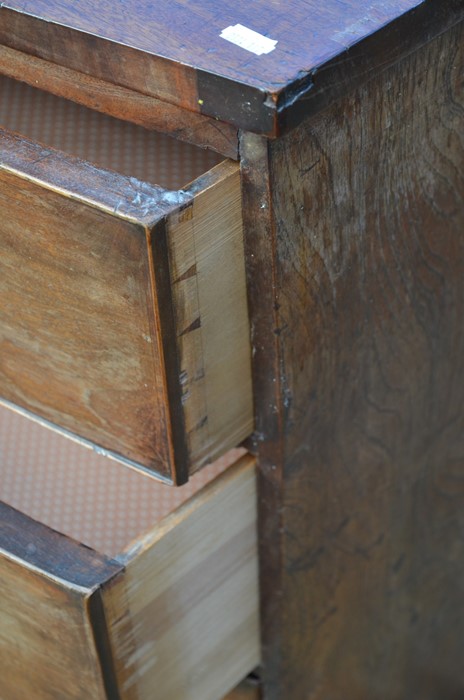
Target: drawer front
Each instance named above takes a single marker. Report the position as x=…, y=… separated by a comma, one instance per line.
x=177, y=611
x=49, y=603
x=123, y=314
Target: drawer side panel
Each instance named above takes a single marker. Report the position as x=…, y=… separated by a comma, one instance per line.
x=184, y=616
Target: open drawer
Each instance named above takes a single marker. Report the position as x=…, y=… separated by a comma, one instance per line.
x=167, y=606
x=123, y=315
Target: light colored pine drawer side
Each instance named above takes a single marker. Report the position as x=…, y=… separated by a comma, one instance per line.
x=190, y=596
x=206, y=252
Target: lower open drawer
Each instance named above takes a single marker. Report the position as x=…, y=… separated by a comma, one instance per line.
x=171, y=613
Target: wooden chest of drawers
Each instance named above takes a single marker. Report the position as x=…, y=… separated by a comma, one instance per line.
x=326, y=253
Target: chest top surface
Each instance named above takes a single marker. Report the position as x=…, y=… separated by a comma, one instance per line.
x=189, y=31
x=201, y=54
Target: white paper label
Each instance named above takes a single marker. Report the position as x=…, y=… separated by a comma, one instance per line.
x=248, y=39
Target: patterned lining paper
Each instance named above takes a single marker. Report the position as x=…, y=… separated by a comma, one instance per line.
x=80, y=493
x=107, y=142
x=62, y=484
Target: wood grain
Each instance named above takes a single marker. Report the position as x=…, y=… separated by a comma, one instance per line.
x=189, y=33
x=90, y=339
x=174, y=51
x=211, y=315
x=48, y=640
x=190, y=597
x=357, y=236
x=79, y=340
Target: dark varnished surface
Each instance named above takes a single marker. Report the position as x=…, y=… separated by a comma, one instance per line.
x=188, y=31
x=173, y=51
x=356, y=287
x=52, y=553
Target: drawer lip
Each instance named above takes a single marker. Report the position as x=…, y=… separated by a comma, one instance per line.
x=143, y=207
x=120, y=195
x=57, y=556
x=162, y=443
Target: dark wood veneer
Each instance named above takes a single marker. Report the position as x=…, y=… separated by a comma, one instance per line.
x=356, y=286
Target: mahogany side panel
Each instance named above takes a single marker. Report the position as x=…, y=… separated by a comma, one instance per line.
x=358, y=277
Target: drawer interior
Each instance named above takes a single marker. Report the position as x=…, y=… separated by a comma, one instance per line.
x=169, y=597
x=81, y=493
x=103, y=140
